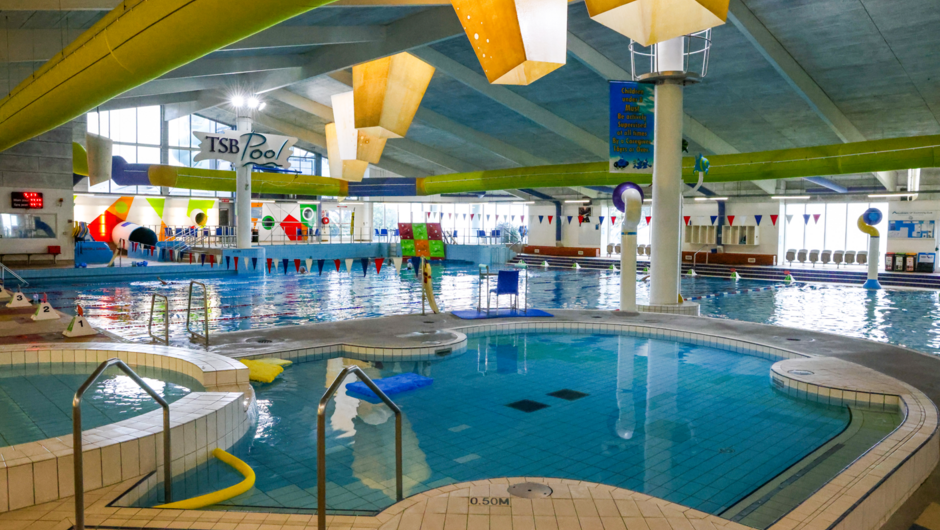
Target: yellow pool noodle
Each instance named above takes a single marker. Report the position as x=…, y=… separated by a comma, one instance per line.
x=222, y=495
x=261, y=371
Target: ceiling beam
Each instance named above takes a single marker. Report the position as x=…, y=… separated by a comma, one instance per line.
x=791, y=71
x=147, y=101
x=514, y=102
x=286, y=36
x=218, y=66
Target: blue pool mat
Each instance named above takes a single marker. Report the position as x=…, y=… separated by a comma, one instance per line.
x=473, y=314
x=390, y=385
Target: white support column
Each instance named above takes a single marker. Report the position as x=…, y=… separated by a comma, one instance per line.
x=243, y=193
x=667, y=195
x=628, y=269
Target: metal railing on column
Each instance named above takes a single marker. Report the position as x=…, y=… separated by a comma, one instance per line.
x=77, y=456
x=205, y=312
x=321, y=438
x=166, y=318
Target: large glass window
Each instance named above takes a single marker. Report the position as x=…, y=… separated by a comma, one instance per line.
x=834, y=228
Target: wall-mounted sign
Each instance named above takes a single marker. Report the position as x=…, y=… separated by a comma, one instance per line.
x=26, y=199
x=631, y=127
x=912, y=225
x=243, y=148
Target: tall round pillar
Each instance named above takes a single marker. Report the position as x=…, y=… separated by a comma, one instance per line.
x=243, y=193
x=667, y=195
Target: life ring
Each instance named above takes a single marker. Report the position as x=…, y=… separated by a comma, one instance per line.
x=325, y=220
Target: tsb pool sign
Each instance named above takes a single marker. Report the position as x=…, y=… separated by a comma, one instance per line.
x=243, y=148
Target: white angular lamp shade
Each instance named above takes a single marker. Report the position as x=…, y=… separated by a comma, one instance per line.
x=349, y=170
x=651, y=21
x=516, y=41
x=388, y=92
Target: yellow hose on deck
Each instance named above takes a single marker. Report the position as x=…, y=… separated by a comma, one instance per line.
x=222, y=495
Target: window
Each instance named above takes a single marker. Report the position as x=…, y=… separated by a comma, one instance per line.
x=835, y=228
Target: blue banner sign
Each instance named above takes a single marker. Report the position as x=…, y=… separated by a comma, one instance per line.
x=631, y=127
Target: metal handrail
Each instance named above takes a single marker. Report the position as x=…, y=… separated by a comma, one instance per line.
x=321, y=438
x=4, y=269
x=78, y=457
x=700, y=251
x=166, y=318
x=205, y=312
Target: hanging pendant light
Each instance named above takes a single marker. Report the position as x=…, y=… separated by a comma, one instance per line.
x=388, y=92
x=516, y=41
x=651, y=21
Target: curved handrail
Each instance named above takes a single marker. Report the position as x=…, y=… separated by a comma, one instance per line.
x=321, y=438
x=205, y=312
x=77, y=455
x=4, y=269
x=166, y=318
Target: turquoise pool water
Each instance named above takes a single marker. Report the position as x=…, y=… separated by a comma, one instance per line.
x=36, y=399
x=695, y=425
x=902, y=317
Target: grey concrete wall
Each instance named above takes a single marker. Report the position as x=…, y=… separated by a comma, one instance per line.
x=43, y=164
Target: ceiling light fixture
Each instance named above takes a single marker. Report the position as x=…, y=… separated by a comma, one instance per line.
x=790, y=197
x=711, y=198
x=579, y=201
x=890, y=195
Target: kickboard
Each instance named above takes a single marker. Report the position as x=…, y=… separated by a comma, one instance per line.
x=390, y=385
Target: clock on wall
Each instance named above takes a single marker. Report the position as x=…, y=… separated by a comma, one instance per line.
x=26, y=199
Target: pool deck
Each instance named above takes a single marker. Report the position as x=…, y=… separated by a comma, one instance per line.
x=447, y=509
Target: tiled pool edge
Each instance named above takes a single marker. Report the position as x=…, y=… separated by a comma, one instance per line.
x=41, y=471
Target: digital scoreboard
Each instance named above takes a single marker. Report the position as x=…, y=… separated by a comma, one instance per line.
x=26, y=199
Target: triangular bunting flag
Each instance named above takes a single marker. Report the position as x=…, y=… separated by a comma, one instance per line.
x=806, y=217
x=601, y=219
x=284, y=263
x=269, y=265
x=309, y=262
x=550, y=219
x=757, y=219
x=688, y=220
x=742, y=219
x=211, y=261
x=487, y=217
x=228, y=261
x=714, y=218
x=580, y=220
x=396, y=261
x=613, y=219
x=336, y=262
x=349, y=262
x=202, y=259
x=648, y=219
x=429, y=214
x=730, y=220
x=789, y=218
x=320, y=263
x=540, y=219
x=464, y=217
x=816, y=217
x=190, y=258
x=379, y=262
x=254, y=263
x=570, y=217
x=236, y=263
x=245, y=261
x=297, y=265
x=471, y=216
x=365, y=263
x=773, y=219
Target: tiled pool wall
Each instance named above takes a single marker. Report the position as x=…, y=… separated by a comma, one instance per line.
x=37, y=472
x=862, y=496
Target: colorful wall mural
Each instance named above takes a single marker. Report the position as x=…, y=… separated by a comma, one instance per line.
x=104, y=213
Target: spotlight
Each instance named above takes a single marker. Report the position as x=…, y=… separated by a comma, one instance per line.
x=253, y=102
x=238, y=102
x=262, y=105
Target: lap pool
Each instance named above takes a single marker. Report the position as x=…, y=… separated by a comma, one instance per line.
x=901, y=317
x=695, y=425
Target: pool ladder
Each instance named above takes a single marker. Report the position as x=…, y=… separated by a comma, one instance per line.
x=204, y=336
x=166, y=319
x=321, y=438
x=77, y=456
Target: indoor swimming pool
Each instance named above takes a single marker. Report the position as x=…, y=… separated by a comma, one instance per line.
x=695, y=425
x=902, y=317
x=36, y=399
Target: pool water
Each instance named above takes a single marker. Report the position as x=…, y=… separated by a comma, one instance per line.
x=36, y=399
x=695, y=425
x=902, y=317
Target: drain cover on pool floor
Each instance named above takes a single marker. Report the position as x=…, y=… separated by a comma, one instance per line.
x=568, y=394
x=527, y=405
x=530, y=490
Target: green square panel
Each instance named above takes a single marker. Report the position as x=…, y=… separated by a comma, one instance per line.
x=420, y=230
x=437, y=249
x=407, y=247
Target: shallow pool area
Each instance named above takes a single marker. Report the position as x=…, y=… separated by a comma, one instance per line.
x=696, y=425
x=36, y=399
